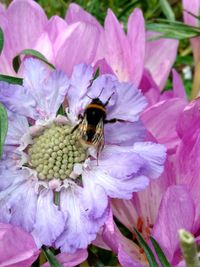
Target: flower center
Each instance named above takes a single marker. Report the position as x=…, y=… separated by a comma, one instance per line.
x=54, y=153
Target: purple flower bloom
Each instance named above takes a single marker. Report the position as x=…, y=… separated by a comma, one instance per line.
x=50, y=184
x=167, y=204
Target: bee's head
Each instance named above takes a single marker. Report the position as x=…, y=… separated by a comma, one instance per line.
x=97, y=101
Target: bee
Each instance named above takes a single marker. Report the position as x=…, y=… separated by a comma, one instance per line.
x=91, y=126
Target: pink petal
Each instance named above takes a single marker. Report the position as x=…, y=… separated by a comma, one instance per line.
x=17, y=248
x=18, y=23
x=161, y=120
x=55, y=26
x=187, y=167
x=136, y=36
x=193, y=7
x=84, y=38
x=76, y=14
x=178, y=87
x=159, y=58
x=117, y=48
x=127, y=251
x=70, y=260
x=144, y=204
x=176, y=211
x=189, y=119
x=149, y=88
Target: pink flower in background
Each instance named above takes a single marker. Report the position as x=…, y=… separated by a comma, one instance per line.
x=17, y=248
x=81, y=39
x=132, y=56
x=193, y=8
x=54, y=38
x=168, y=204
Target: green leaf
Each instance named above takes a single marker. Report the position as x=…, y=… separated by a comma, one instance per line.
x=29, y=52
x=167, y=10
x=148, y=252
x=51, y=257
x=11, y=79
x=3, y=127
x=161, y=256
x=1, y=40
x=173, y=29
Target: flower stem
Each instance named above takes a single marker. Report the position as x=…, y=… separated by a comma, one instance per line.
x=189, y=248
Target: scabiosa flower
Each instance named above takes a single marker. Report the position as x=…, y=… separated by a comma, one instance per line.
x=50, y=184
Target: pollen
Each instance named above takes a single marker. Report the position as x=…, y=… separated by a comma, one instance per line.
x=54, y=153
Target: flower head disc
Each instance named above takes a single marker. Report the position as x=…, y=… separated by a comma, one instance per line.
x=43, y=156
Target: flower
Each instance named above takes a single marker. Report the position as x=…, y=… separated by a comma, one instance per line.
x=160, y=219
x=132, y=57
x=17, y=248
x=167, y=204
x=26, y=26
x=50, y=184
x=79, y=38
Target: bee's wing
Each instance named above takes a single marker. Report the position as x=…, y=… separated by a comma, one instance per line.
x=82, y=129
x=98, y=139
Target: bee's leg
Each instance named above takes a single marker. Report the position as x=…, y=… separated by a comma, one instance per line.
x=75, y=128
x=80, y=117
x=113, y=121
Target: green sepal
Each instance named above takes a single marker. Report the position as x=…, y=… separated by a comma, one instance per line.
x=161, y=256
x=29, y=52
x=173, y=29
x=148, y=252
x=167, y=10
x=11, y=79
x=53, y=262
x=3, y=127
x=1, y=40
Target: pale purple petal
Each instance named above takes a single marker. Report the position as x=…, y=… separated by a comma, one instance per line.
x=23, y=208
x=192, y=7
x=79, y=83
x=117, y=48
x=136, y=36
x=70, y=260
x=91, y=194
x=103, y=88
x=17, y=126
x=124, y=133
x=154, y=155
x=50, y=220
x=84, y=38
x=129, y=103
x=17, y=248
x=79, y=230
x=159, y=58
x=117, y=188
x=161, y=120
x=12, y=97
x=176, y=202
x=47, y=88
x=113, y=160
